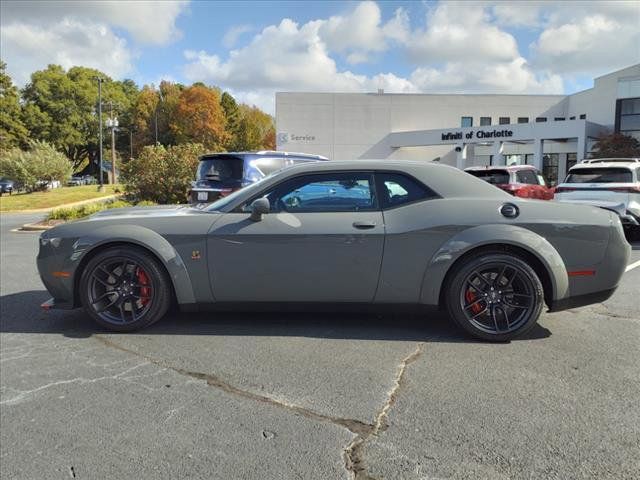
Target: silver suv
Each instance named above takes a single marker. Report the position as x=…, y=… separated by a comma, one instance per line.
x=221, y=173
x=611, y=183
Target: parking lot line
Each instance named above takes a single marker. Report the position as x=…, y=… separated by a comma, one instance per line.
x=631, y=266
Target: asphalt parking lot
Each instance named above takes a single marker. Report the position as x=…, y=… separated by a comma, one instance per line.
x=312, y=396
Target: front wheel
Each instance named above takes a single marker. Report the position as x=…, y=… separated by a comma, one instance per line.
x=495, y=296
x=125, y=289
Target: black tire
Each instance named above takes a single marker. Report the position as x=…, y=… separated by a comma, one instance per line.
x=125, y=298
x=494, y=290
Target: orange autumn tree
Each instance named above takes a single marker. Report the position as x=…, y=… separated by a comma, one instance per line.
x=199, y=118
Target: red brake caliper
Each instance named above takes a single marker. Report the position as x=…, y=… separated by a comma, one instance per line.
x=145, y=292
x=471, y=297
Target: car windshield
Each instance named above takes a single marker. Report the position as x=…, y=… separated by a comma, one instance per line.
x=599, y=175
x=494, y=176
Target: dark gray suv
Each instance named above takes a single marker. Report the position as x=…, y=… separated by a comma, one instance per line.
x=221, y=173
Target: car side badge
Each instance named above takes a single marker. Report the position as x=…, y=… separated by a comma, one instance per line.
x=509, y=210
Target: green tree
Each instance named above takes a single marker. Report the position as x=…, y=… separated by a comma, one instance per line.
x=616, y=145
x=13, y=133
x=256, y=130
x=162, y=174
x=40, y=163
x=60, y=108
x=232, y=119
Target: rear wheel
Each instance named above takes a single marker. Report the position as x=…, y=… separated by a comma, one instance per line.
x=495, y=296
x=124, y=289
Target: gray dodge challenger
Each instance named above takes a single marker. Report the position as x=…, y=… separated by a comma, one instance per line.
x=364, y=233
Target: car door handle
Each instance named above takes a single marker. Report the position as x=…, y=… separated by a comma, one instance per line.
x=364, y=225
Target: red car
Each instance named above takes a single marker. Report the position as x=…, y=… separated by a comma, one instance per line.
x=524, y=181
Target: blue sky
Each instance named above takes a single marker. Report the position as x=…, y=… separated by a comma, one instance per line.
x=254, y=49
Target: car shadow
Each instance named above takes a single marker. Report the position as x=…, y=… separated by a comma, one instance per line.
x=21, y=313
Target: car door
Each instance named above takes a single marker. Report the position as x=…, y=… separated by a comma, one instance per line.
x=321, y=242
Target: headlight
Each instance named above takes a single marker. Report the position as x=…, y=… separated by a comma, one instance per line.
x=54, y=242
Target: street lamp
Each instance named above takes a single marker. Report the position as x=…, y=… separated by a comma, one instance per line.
x=158, y=105
x=112, y=123
x=100, y=80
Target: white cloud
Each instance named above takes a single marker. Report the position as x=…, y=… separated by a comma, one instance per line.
x=147, y=21
x=361, y=31
x=27, y=48
x=590, y=38
x=232, y=35
x=520, y=14
x=460, y=32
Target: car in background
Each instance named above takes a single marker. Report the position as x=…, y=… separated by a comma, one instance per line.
x=610, y=183
x=524, y=181
x=219, y=174
x=75, y=181
x=6, y=185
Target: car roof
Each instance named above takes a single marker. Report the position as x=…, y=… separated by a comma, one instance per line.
x=604, y=164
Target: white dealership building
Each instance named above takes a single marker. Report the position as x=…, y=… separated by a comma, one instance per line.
x=549, y=131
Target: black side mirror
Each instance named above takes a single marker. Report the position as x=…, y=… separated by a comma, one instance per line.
x=259, y=207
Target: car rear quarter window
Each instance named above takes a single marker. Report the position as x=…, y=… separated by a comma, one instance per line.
x=527, y=176
x=600, y=175
x=492, y=176
x=396, y=189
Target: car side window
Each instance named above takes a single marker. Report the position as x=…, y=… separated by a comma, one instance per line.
x=329, y=192
x=397, y=189
x=528, y=177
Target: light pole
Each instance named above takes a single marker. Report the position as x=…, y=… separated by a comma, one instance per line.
x=100, y=80
x=112, y=123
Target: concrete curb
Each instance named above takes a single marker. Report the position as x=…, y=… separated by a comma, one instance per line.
x=66, y=205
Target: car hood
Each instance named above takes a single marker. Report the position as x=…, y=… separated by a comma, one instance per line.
x=154, y=211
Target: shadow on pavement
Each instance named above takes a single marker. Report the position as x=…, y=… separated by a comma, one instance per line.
x=21, y=313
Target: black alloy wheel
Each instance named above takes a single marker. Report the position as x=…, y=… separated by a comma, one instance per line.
x=495, y=296
x=125, y=289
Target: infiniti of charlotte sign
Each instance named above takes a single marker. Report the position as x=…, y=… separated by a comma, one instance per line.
x=284, y=137
x=479, y=134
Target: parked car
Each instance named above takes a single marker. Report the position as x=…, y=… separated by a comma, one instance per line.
x=222, y=173
x=75, y=181
x=523, y=181
x=6, y=186
x=415, y=234
x=611, y=183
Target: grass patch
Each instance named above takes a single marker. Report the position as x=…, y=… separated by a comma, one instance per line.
x=54, y=197
x=75, y=213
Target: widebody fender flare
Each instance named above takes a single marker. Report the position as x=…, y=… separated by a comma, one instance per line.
x=483, y=235
x=146, y=238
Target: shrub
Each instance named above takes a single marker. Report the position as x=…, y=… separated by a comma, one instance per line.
x=162, y=174
x=74, y=213
x=30, y=168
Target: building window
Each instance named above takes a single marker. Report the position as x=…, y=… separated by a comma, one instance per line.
x=628, y=117
x=466, y=122
x=550, y=168
x=572, y=118
x=523, y=119
x=484, y=121
x=583, y=116
x=505, y=120
x=572, y=159
x=528, y=159
x=559, y=119
x=541, y=119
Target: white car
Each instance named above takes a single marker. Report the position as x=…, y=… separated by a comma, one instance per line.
x=611, y=183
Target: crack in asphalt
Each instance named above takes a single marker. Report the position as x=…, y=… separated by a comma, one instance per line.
x=353, y=453
x=360, y=429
